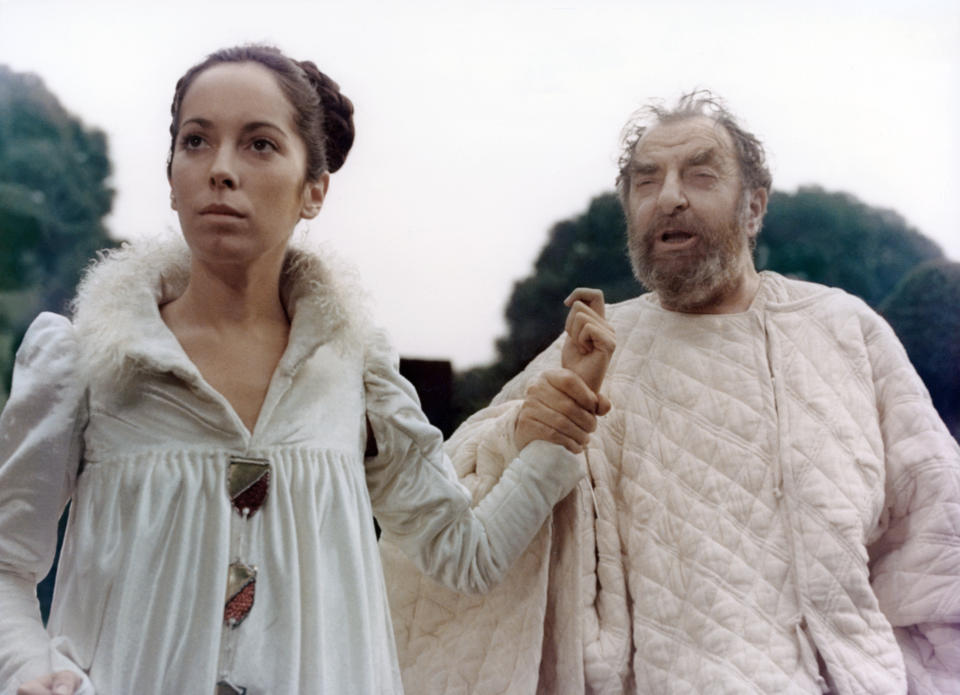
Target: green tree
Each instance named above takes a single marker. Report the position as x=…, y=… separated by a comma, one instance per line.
x=54, y=194
x=837, y=240
x=825, y=237
x=924, y=310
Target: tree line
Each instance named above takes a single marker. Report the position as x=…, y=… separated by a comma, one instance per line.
x=54, y=195
x=55, y=192
x=811, y=234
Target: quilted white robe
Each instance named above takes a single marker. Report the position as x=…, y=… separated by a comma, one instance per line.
x=772, y=489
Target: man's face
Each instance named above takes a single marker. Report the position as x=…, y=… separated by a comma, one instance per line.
x=689, y=221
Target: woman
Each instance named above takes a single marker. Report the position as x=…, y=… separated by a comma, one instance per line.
x=208, y=410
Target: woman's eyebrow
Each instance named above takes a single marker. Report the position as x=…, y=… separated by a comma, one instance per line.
x=257, y=125
x=247, y=127
x=202, y=122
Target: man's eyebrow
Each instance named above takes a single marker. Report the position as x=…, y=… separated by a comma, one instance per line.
x=644, y=168
x=705, y=156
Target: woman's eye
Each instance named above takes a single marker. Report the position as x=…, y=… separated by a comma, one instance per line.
x=191, y=142
x=263, y=145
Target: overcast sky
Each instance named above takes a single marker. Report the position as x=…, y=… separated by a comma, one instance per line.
x=480, y=124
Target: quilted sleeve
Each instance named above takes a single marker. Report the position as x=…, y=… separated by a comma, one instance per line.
x=40, y=449
x=422, y=507
x=915, y=562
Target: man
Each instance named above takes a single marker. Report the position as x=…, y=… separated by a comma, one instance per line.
x=772, y=506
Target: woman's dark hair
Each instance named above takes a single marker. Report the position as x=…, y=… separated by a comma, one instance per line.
x=323, y=116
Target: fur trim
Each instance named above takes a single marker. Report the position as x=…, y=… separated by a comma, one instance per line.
x=117, y=318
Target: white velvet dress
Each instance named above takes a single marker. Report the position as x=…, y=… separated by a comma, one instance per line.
x=108, y=411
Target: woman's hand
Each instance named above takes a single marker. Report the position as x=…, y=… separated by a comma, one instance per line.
x=590, y=339
x=59, y=683
x=558, y=407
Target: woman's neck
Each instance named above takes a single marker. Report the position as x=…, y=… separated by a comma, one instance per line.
x=223, y=295
x=231, y=323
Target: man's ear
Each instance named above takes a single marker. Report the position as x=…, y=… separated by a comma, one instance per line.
x=756, y=209
x=313, y=194
x=173, y=200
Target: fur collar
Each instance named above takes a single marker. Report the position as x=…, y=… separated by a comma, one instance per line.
x=117, y=318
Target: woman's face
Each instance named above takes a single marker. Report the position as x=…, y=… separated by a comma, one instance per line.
x=239, y=166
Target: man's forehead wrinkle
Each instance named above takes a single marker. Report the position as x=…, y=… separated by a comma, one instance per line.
x=699, y=132
x=689, y=142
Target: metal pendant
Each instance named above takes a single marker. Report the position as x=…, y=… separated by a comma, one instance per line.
x=224, y=687
x=241, y=589
x=248, y=480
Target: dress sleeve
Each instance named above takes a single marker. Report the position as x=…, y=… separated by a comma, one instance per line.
x=40, y=450
x=425, y=511
x=915, y=559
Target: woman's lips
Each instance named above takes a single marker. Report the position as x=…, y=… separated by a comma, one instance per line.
x=219, y=209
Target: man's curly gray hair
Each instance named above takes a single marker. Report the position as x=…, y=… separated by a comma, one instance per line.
x=750, y=155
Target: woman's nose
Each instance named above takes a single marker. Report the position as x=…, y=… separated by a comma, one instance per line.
x=222, y=171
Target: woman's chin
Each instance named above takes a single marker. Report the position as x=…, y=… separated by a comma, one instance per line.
x=232, y=249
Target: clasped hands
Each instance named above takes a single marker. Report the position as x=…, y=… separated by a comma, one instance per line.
x=562, y=405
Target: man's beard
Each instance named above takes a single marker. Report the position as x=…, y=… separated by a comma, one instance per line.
x=690, y=280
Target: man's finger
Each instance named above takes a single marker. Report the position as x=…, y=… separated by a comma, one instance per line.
x=593, y=298
x=582, y=329
x=581, y=311
x=597, y=336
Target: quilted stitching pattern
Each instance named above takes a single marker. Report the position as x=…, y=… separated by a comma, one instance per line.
x=714, y=603
x=730, y=512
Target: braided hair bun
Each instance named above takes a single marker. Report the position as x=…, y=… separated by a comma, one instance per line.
x=323, y=115
x=337, y=115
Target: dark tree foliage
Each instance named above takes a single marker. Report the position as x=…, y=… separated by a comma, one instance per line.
x=924, y=310
x=837, y=240
x=54, y=191
x=54, y=194
x=825, y=237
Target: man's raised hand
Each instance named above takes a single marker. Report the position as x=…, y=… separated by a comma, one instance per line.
x=590, y=339
x=562, y=405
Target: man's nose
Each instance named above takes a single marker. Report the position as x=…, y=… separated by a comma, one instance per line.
x=672, y=197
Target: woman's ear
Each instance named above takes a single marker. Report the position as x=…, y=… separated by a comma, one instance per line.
x=313, y=194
